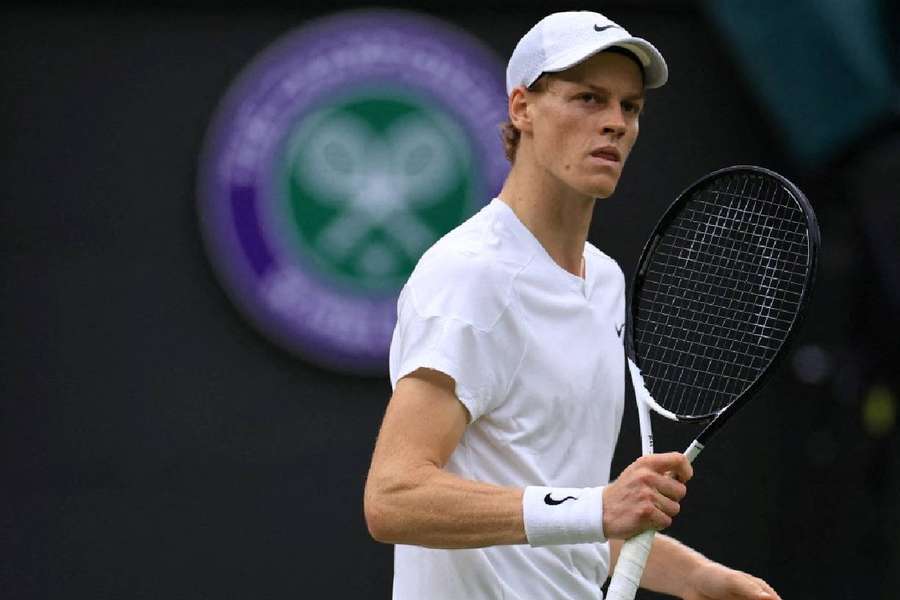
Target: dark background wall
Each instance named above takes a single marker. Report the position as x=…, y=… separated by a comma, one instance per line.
x=153, y=445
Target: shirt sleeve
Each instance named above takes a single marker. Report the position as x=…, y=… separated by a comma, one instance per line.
x=482, y=361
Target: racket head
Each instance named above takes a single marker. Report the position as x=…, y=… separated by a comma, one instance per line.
x=720, y=290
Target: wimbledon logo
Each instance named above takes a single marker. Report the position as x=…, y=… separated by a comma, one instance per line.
x=335, y=160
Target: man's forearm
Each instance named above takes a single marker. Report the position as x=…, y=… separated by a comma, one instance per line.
x=428, y=506
x=669, y=565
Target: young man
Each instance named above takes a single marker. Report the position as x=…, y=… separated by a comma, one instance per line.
x=491, y=470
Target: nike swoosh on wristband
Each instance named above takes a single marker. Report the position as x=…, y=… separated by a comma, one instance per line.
x=548, y=499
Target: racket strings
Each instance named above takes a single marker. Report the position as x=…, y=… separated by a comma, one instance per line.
x=720, y=293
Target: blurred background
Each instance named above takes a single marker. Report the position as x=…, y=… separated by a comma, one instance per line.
x=159, y=439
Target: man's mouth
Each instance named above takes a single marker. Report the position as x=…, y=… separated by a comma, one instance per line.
x=610, y=153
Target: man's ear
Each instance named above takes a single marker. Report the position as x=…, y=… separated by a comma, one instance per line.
x=520, y=108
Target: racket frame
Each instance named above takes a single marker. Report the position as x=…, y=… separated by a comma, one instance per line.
x=717, y=419
x=635, y=551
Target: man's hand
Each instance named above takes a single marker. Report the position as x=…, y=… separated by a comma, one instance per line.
x=712, y=581
x=646, y=495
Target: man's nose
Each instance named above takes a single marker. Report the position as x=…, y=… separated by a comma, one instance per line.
x=614, y=121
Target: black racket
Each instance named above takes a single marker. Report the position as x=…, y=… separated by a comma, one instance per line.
x=719, y=290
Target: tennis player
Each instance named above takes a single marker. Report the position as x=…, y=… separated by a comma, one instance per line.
x=491, y=470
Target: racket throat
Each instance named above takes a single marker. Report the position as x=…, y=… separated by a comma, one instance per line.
x=693, y=451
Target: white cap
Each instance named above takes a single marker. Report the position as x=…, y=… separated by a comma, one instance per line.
x=564, y=39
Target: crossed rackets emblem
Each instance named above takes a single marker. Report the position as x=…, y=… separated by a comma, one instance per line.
x=377, y=181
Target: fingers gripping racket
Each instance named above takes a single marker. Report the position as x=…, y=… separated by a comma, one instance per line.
x=718, y=292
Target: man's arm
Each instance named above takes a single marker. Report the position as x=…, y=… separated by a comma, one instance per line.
x=411, y=499
x=673, y=568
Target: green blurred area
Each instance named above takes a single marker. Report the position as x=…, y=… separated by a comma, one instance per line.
x=822, y=68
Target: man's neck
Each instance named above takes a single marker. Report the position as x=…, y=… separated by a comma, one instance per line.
x=555, y=214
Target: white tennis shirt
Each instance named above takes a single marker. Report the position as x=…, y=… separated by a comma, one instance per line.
x=537, y=358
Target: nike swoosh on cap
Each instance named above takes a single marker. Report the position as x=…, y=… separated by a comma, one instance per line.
x=598, y=28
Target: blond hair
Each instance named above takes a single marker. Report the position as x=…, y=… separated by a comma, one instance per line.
x=509, y=133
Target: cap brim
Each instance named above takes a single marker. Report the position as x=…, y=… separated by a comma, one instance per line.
x=656, y=73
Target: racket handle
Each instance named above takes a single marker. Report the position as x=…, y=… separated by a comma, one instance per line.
x=633, y=556
x=630, y=567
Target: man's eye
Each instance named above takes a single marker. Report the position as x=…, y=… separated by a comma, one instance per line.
x=631, y=107
x=590, y=98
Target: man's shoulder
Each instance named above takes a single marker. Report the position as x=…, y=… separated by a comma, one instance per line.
x=480, y=247
x=469, y=273
x=602, y=260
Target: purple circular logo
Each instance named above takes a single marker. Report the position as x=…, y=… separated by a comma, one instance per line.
x=337, y=157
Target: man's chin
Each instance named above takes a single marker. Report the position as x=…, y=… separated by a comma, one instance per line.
x=602, y=184
x=605, y=193
x=594, y=185
x=602, y=189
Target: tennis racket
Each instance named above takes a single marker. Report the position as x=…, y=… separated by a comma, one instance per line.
x=719, y=290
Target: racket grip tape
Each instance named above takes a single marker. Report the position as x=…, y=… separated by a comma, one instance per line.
x=633, y=557
x=630, y=566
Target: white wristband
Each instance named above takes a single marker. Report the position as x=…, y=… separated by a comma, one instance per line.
x=555, y=515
